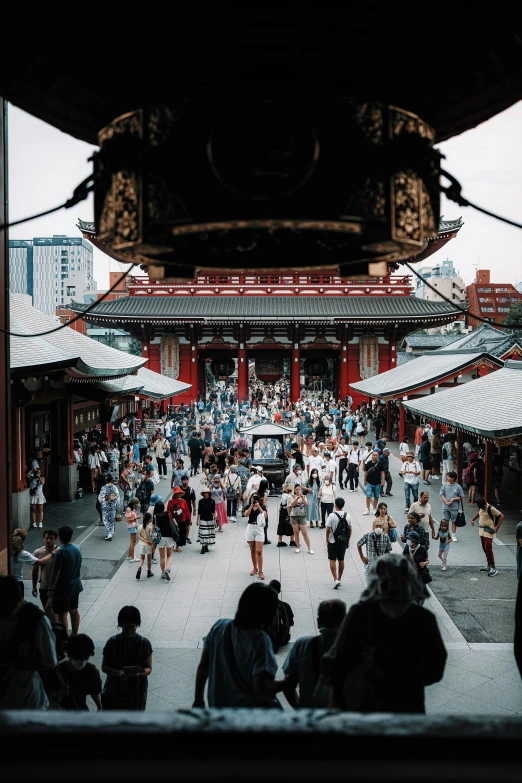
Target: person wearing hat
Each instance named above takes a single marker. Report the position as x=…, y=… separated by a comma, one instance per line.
x=410, y=471
x=206, y=520
x=418, y=555
x=388, y=617
x=254, y=481
x=131, y=517
x=385, y=463
x=179, y=513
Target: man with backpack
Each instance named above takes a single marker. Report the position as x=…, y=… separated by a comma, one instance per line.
x=283, y=620
x=338, y=533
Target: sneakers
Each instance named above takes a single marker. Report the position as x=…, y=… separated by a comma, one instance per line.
x=436, y=477
x=138, y=573
x=311, y=552
x=149, y=574
x=454, y=538
x=155, y=560
x=34, y=524
x=426, y=482
x=232, y=519
x=388, y=494
x=163, y=577
x=297, y=551
x=189, y=541
x=292, y=543
x=336, y=584
x=485, y=568
x=167, y=574
x=108, y=538
x=492, y=572
x=281, y=543
x=351, y=490
x=40, y=524
x=444, y=568
x=366, y=513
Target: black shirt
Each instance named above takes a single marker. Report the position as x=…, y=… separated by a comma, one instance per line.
x=298, y=456
x=206, y=508
x=163, y=522
x=373, y=471
x=83, y=683
x=195, y=445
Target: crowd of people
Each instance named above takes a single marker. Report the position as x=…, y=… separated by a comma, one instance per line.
x=335, y=446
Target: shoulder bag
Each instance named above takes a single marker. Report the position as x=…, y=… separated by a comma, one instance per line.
x=392, y=532
x=460, y=519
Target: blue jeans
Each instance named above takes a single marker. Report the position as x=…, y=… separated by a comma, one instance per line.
x=372, y=490
x=415, y=491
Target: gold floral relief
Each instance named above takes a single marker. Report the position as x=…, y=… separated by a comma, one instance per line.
x=126, y=207
x=406, y=206
x=368, y=117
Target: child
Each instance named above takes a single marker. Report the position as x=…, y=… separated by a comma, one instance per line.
x=444, y=538
x=145, y=532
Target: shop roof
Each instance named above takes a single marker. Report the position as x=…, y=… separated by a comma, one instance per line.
x=426, y=370
x=365, y=309
x=432, y=341
x=466, y=406
x=78, y=355
x=147, y=383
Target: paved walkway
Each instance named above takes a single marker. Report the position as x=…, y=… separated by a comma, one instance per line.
x=479, y=678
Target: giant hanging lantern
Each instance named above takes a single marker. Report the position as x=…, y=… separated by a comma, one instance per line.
x=269, y=369
x=316, y=368
x=283, y=178
x=222, y=368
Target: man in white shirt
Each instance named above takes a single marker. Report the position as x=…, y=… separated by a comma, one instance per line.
x=364, y=454
x=341, y=457
x=254, y=481
x=423, y=508
x=315, y=461
x=411, y=470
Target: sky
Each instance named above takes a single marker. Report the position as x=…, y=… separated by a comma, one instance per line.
x=45, y=166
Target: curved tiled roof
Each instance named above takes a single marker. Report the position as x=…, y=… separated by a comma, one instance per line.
x=79, y=355
x=463, y=406
x=426, y=370
x=353, y=308
x=146, y=382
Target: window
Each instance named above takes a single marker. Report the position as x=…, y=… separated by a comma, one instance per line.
x=515, y=299
x=504, y=309
x=483, y=299
x=480, y=290
x=488, y=309
x=488, y=290
x=71, y=290
x=503, y=299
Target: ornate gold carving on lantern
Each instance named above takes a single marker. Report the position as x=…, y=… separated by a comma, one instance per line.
x=214, y=182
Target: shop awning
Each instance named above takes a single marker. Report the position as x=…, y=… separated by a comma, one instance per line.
x=490, y=407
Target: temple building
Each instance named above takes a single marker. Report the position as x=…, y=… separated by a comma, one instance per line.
x=319, y=330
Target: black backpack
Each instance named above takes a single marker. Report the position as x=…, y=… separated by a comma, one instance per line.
x=342, y=531
x=280, y=630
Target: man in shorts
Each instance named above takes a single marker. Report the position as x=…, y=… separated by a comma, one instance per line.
x=43, y=573
x=337, y=544
x=65, y=585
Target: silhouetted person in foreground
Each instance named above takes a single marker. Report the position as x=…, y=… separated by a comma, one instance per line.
x=383, y=628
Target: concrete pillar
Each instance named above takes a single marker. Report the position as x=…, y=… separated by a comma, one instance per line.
x=459, y=445
x=488, y=483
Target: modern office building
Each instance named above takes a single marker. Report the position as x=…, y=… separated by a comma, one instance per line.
x=492, y=301
x=53, y=271
x=448, y=284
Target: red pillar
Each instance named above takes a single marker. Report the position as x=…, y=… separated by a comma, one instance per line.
x=242, y=368
x=460, y=443
x=388, y=418
x=401, y=421
x=343, y=369
x=488, y=459
x=295, y=372
x=194, y=379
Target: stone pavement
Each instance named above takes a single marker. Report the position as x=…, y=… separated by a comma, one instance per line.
x=480, y=677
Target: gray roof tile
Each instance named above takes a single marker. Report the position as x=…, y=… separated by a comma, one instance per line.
x=146, y=382
x=430, y=340
x=82, y=356
x=425, y=370
x=366, y=308
x=466, y=406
